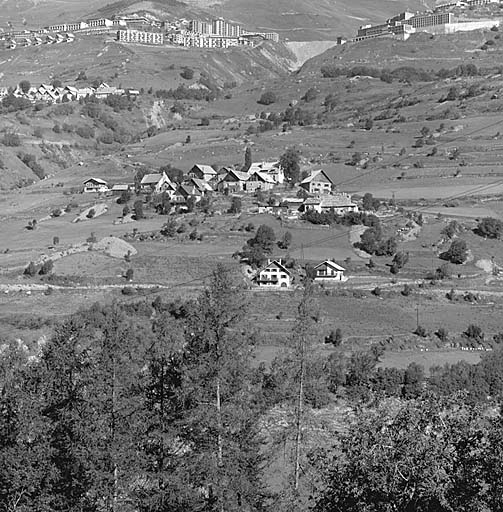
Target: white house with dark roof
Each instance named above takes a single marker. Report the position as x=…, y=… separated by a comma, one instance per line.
x=328, y=271
x=233, y=181
x=273, y=275
x=272, y=169
x=317, y=182
x=95, y=185
x=339, y=203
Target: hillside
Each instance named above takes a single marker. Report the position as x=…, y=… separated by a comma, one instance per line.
x=297, y=20
x=140, y=66
x=420, y=50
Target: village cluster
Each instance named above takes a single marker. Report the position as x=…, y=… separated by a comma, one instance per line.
x=203, y=181
x=439, y=21
x=49, y=93
x=217, y=33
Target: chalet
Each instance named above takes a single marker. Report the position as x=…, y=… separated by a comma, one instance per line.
x=95, y=185
x=233, y=181
x=273, y=275
x=317, y=183
x=156, y=183
x=259, y=181
x=329, y=271
x=184, y=191
x=203, y=172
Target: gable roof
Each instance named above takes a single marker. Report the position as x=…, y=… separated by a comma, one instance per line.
x=96, y=180
x=336, y=201
x=263, y=166
x=201, y=184
x=240, y=175
x=151, y=179
x=263, y=176
x=206, y=169
x=121, y=187
x=315, y=174
x=332, y=264
x=275, y=263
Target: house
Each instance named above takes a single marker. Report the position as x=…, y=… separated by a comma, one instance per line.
x=272, y=169
x=328, y=271
x=202, y=186
x=259, y=181
x=203, y=172
x=156, y=183
x=233, y=181
x=273, y=275
x=185, y=190
x=317, y=183
x=340, y=204
x=95, y=185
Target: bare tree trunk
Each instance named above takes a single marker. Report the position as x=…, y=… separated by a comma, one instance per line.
x=298, y=426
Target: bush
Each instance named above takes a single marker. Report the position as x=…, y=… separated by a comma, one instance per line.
x=127, y=290
x=55, y=240
x=457, y=252
x=138, y=209
x=129, y=274
x=236, y=205
x=11, y=139
x=407, y=290
x=56, y=128
x=335, y=337
x=474, y=332
x=310, y=95
x=376, y=291
x=267, y=98
x=421, y=331
x=442, y=334
x=187, y=74
x=91, y=239
x=46, y=267
x=91, y=213
x=86, y=132
x=193, y=235
x=490, y=228
x=31, y=270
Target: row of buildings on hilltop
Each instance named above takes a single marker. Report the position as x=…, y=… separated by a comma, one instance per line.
x=53, y=94
x=218, y=33
x=437, y=22
x=203, y=180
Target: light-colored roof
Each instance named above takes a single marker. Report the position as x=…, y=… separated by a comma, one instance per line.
x=241, y=176
x=96, y=180
x=121, y=186
x=332, y=264
x=263, y=176
x=336, y=201
x=206, y=169
x=201, y=184
x=312, y=200
x=263, y=166
x=315, y=174
x=151, y=179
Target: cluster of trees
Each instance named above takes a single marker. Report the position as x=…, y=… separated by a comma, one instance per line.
x=347, y=219
x=404, y=73
x=372, y=242
x=182, y=92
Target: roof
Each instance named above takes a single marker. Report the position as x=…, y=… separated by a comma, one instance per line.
x=96, y=180
x=263, y=166
x=332, y=264
x=263, y=176
x=275, y=263
x=312, y=200
x=121, y=186
x=206, y=169
x=201, y=184
x=241, y=176
x=151, y=179
x=315, y=174
x=336, y=201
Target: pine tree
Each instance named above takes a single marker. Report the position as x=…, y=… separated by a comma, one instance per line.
x=248, y=160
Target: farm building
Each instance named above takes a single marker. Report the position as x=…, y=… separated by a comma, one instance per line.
x=233, y=181
x=317, y=183
x=272, y=169
x=338, y=203
x=119, y=188
x=95, y=185
x=329, y=271
x=273, y=275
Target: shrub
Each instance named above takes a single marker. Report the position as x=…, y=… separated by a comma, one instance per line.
x=55, y=240
x=106, y=137
x=474, y=332
x=421, y=331
x=457, y=252
x=127, y=290
x=335, y=337
x=407, y=290
x=56, y=128
x=31, y=269
x=267, y=98
x=236, y=205
x=86, y=132
x=169, y=229
x=91, y=239
x=138, y=209
x=376, y=291
x=11, y=139
x=193, y=235
x=46, y=267
x=129, y=274
x=310, y=95
x=56, y=213
x=442, y=334
x=490, y=228
x=91, y=213
x=204, y=122
x=187, y=74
